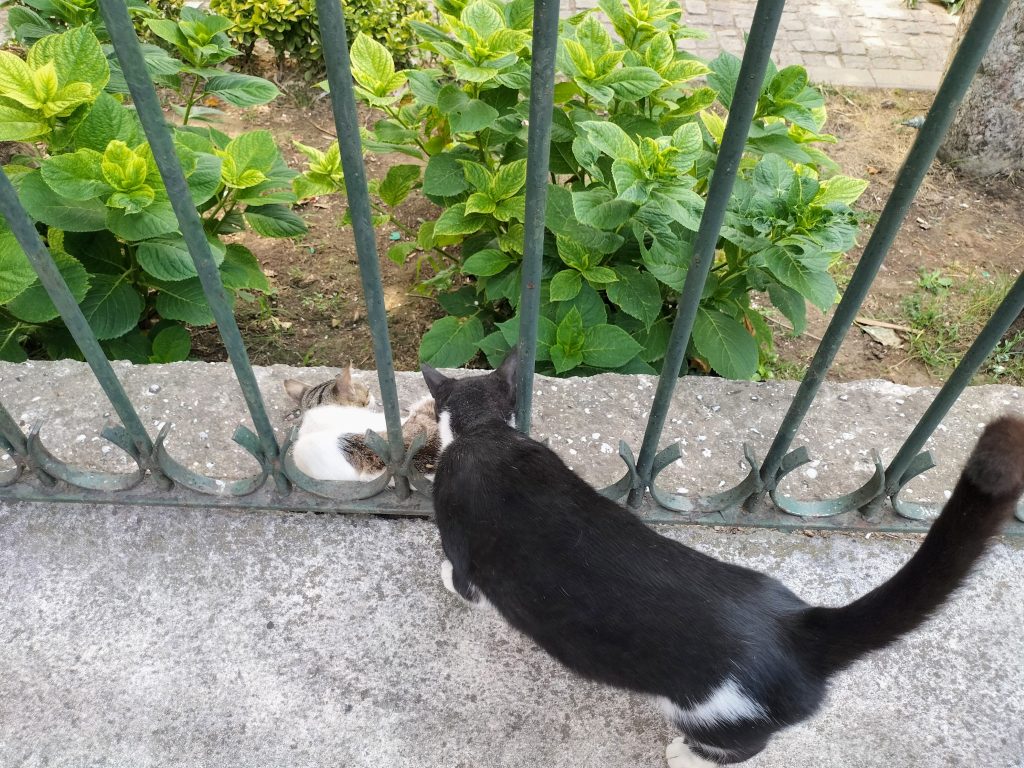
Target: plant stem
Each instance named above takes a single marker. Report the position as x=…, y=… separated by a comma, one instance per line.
x=190, y=101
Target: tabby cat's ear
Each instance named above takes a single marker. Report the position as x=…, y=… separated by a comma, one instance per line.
x=434, y=379
x=295, y=389
x=343, y=383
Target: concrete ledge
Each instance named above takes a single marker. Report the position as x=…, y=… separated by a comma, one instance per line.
x=584, y=419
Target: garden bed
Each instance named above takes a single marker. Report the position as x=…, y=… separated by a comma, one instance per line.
x=961, y=244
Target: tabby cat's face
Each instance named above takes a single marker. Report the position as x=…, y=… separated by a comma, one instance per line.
x=341, y=390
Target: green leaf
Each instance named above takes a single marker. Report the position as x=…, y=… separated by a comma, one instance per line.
x=77, y=174
x=18, y=123
x=633, y=83
x=444, y=177
x=185, y=301
x=248, y=159
x=514, y=208
x=242, y=90
x=451, y=341
x=608, y=346
x=372, y=65
x=241, y=270
x=565, y=285
x=16, y=273
x=112, y=306
x=569, y=334
x=611, y=140
x=399, y=252
x=33, y=305
x=725, y=72
x=725, y=343
x=598, y=208
x=574, y=254
x=656, y=343
x=204, y=181
x=45, y=205
x=107, y=121
x=588, y=303
x=455, y=221
x=467, y=116
x=495, y=348
x=480, y=202
x=791, y=304
x=509, y=179
x=76, y=56
x=802, y=276
x=169, y=258
x=486, y=263
x=840, y=189
x=133, y=346
x=10, y=346
x=600, y=275
x=16, y=81
x=564, y=361
x=482, y=19
x=158, y=219
x=773, y=176
x=637, y=294
x=171, y=345
x=275, y=221
x=461, y=303
x=398, y=183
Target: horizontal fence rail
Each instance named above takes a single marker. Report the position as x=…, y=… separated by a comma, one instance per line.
x=34, y=473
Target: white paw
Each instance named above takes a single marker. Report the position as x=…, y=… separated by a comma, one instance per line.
x=446, y=577
x=678, y=755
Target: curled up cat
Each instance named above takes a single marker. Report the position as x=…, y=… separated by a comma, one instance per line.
x=336, y=414
x=731, y=655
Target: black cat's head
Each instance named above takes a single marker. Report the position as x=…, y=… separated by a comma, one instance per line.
x=461, y=403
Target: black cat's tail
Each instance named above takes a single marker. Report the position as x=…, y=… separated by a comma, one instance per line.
x=983, y=500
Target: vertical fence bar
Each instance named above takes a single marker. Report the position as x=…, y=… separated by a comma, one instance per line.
x=954, y=85
x=25, y=233
x=741, y=112
x=542, y=92
x=126, y=45
x=346, y=121
x=1009, y=310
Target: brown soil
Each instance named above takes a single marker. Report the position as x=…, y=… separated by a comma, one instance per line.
x=959, y=228
x=317, y=315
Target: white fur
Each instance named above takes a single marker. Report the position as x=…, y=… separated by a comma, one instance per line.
x=444, y=428
x=678, y=755
x=726, y=704
x=316, y=451
x=447, y=578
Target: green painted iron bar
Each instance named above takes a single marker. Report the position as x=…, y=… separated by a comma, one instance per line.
x=542, y=92
x=11, y=433
x=954, y=85
x=25, y=233
x=147, y=105
x=741, y=112
x=1008, y=311
x=346, y=121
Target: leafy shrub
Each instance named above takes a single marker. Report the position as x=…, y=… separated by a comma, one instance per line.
x=89, y=180
x=291, y=26
x=635, y=138
x=31, y=20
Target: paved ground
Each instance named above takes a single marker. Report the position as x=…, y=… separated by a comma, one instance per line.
x=139, y=638
x=865, y=43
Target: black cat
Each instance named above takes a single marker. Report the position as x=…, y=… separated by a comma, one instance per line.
x=732, y=655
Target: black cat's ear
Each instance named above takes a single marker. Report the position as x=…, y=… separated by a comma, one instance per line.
x=507, y=370
x=434, y=379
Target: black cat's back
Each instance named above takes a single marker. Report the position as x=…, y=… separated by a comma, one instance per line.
x=595, y=586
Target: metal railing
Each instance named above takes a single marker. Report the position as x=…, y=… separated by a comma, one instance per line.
x=158, y=478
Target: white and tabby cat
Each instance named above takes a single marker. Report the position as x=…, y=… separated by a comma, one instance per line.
x=731, y=655
x=336, y=414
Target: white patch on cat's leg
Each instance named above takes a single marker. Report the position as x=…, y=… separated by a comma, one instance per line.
x=679, y=755
x=728, y=703
x=444, y=429
x=446, y=577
